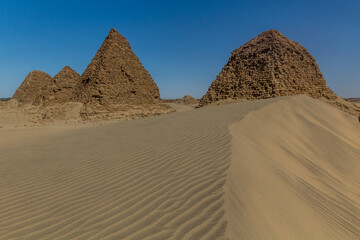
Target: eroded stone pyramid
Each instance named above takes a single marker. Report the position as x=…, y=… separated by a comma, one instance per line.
x=116, y=75
x=30, y=89
x=270, y=65
x=188, y=100
x=62, y=87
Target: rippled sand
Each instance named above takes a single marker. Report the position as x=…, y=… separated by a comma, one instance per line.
x=270, y=169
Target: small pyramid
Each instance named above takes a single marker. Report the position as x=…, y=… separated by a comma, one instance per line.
x=116, y=75
x=187, y=99
x=62, y=87
x=268, y=66
x=30, y=88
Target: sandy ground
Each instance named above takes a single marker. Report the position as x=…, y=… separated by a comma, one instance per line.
x=182, y=107
x=14, y=115
x=270, y=169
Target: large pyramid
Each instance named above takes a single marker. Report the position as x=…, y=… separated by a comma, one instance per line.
x=271, y=65
x=61, y=88
x=31, y=87
x=116, y=75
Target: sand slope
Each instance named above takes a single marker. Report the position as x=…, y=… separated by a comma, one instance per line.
x=168, y=177
x=294, y=173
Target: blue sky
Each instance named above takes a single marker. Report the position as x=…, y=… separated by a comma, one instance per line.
x=183, y=44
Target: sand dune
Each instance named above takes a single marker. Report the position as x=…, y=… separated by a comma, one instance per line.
x=187, y=176
x=294, y=173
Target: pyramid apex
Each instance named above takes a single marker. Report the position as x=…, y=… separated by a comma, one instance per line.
x=114, y=35
x=271, y=34
x=113, y=30
x=67, y=68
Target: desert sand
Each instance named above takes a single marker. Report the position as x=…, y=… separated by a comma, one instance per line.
x=281, y=168
x=294, y=173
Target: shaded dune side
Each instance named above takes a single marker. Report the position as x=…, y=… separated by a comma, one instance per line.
x=294, y=173
x=156, y=178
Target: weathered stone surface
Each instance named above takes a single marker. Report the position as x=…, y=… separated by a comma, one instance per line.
x=188, y=100
x=116, y=76
x=61, y=88
x=30, y=89
x=268, y=66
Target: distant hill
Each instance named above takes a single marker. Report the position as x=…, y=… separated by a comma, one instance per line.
x=5, y=99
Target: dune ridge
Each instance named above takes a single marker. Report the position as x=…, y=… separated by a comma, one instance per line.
x=294, y=173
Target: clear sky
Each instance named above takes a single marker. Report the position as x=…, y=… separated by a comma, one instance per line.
x=183, y=44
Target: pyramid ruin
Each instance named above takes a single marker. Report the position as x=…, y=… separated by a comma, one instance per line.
x=268, y=66
x=188, y=100
x=116, y=76
x=61, y=88
x=30, y=89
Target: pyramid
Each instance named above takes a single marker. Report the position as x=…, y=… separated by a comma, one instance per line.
x=116, y=76
x=61, y=88
x=187, y=99
x=268, y=66
x=31, y=87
